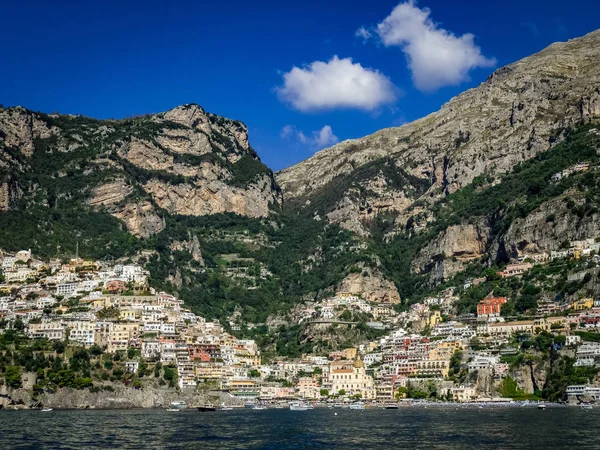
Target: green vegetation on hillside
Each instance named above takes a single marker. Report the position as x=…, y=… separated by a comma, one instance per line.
x=329, y=195
x=302, y=256
x=517, y=194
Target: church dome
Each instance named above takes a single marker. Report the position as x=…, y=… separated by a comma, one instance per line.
x=358, y=364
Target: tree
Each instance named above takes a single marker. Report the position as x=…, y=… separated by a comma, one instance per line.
x=346, y=315
x=342, y=392
x=12, y=376
x=59, y=347
x=401, y=393
x=491, y=275
x=324, y=393
x=18, y=325
x=142, y=367
x=455, y=362
x=254, y=373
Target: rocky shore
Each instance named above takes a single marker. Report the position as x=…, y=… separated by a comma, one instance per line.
x=121, y=397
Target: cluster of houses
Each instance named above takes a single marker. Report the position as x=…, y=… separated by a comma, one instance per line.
x=575, y=168
x=111, y=306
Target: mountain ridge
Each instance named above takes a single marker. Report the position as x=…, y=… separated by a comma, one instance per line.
x=387, y=217
x=513, y=115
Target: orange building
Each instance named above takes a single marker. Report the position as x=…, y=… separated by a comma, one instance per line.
x=490, y=306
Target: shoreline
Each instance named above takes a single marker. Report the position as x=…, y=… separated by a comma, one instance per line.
x=284, y=406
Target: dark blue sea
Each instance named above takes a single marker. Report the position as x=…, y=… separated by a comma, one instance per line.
x=409, y=428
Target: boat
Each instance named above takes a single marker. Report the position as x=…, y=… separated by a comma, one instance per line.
x=46, y=409
x=206, y=407
x=179, y=405
x=249, y=405
x=391, y=406
x=299, y=406
x=173, y=409
x=586, y=406
x=224, y=407
x=357, y=405
x=259, y=407
x=541, y=406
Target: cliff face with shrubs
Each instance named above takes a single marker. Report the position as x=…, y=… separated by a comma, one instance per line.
x=387, y=216
x=518, y=112
x=183, y=161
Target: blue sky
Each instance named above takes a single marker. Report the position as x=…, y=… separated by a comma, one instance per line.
x=237, y=59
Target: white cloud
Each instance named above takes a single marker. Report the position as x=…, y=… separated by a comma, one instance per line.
x=436, y=57
x=320, y=139
x=325, y=137
x=338, y=83
x=287, y=131
x=363, y=33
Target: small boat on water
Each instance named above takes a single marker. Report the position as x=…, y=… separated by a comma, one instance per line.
x=299, y=406
x=249, y=405
x=206, y=407
x=586, y=406
x=224, y=407
x=178, y=405
x=357, y=405
x=173, y=409
x=260, y=407
x=46, y=409
x=391, y=406
x=541, y=406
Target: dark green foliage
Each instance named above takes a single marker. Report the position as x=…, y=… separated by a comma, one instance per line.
x=12, y=376
x=43, y=229
x=170, y=373
x=247, y=169
x=455, y=362
x=516, y=196
x=212, y=294
x=588, y=336
x=562, y=374
x=509, y=389
x=330, y=194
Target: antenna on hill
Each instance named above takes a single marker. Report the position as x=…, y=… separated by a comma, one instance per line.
x=77, y=251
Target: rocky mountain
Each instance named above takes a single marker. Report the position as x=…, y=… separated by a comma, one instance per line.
x=388, y=217
x=519, y=111
x=183, y=161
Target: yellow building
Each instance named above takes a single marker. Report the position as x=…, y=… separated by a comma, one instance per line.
x=209, y=371
x=349, y=353
x=121, y=335
x=353, y=381
x=128, y=314
x=445, y=350
x=100, y=303
x=434, y=318
x=582, y=304
x=432, y=368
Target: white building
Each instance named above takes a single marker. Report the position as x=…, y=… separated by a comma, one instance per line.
x=82, y=332
x=66, y=289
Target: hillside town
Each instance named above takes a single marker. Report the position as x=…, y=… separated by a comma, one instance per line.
x=427, y=346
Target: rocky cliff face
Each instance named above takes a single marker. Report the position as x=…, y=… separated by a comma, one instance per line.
x=183, y=161
x=548, y=227
x=371, y=285
x=448, y=253
x=520, y=110
x=120, y=397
